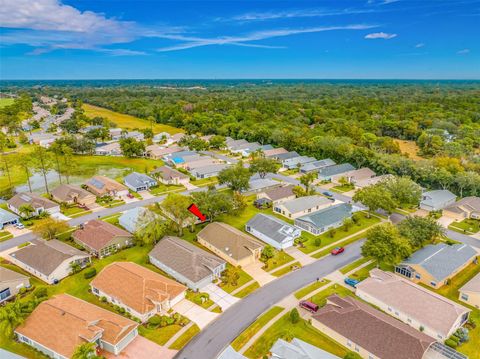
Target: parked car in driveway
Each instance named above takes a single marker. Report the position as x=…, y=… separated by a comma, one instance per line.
x=19, y=226
x=337, y=250
x=351, y=282
x=327, y=194
x=311, y=307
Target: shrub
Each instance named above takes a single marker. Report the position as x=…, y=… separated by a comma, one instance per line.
x=92, y=272
x=154, y=321
x=318, y=242
x=40, y=292
x=451, y=343
x=294, y=316
x=103, y=299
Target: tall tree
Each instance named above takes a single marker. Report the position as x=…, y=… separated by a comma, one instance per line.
x=404, y=190
x=213, y=203
x=385, y=244
x=43, y=162
x=152, y=228
x=263, y=165
x=25, y=162
x=237, y=177
x=307, y=180
x=175, y=207
x=375, y=198
x=49, y=228
x=419, y=231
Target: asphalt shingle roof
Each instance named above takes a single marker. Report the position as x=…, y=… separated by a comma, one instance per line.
x=328, y=215
x=303, y=203
x=273, y=227
x=335, y=170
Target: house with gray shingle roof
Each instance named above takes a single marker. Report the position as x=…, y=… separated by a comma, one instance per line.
x=293, y=163
x=298, y=349
x=470, y=292
x=468, y=207
x=301, y=206
x=38, y=203
x=326, y=173
x=271, y=230
x=208, y=171
x=435, y=264
x=437, y=200
x=315, y=166
x=10, y=284
x=261, y=184
x=139, y=181
x=7, y=218
x=136, y=218
x=186, y=262
x=284, y=156
x=324, y=219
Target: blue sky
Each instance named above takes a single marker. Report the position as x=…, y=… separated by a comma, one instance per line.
x=154, y=39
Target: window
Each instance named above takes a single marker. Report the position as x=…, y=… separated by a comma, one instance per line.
x=403, y=271
x=433, y=284
x=349, y=343
x=357, y=349
x=464, y=296
x=389, y=309
x=95, y=290
x=396, y=313
x=25, y=339
x=4, y=294
x=248, y=229
x=409, y=320
x=418, y=276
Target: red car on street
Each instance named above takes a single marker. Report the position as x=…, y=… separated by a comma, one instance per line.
x=337, y=250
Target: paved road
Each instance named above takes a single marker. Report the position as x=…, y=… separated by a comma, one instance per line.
x=211, y=341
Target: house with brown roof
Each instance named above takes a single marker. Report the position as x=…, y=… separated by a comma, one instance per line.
x=369, y=332
x=354, y=176
x=278, y=195
x=101, y=239
x=187, y=263
x=468, y=207
x=424, y=310
x=170, y=176
x=157, y=152
x=61, y=324
x=51, y=261
x=37, y=203
x=140, y=291
x=231, y=244
x=71, y=194
x=11, y=282
x=274, y=151
x=470, y=292
x=103, y=186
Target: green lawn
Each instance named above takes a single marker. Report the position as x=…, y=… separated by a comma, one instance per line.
x=467, y=225
x=286, y=269
x=343, y=244
x=204, y=181
x=127, y=121
x=4, y=235
x=163, y=188
x=321, y=297
x=244, y=278
x=310, y=288
x=364, y=272
x=247, y=290
x=113, y=219
x=258, y=324
x=327, y=238
x=302, y=330
x=278, y=260
x=199, y=298
x=343, y=188
x=75, y=211
x=185, y=337
x=159, y=335
x=353, y=265
x=6, y=102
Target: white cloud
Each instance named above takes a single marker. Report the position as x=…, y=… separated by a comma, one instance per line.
x=262, y=16
x=191, y=42
x=419, y=45
x=380, y=35
x=463, y=52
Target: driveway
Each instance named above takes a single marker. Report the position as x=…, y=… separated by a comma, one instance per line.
x=256, y=272
x=190, y=187
x=141, y=347
x=15, y=231
x=219, y=296
x=60, y=216
x=445, y=221
x=303, y=258
x=195, y=313
x=146, y=194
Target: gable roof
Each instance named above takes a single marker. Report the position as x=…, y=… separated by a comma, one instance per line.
x=473, y=285
x=360, y=174
x=316, y=165
x=32, y=199
x=335, y=169
x=137, y=217
x=261, y=183
x=210, y=168
x=46, y=256
x=6, y=216
x=376, y=332
x=274, y=151
x=168, y=173
x=7, y=275
x=67, y=192
x=96, y=234
x=329, y=215
x=102, y=184
x=465, y=205
x=135, y=286
x=298, y=349
x=136, y=179
x=303, y=203
x=423, y=305
x=158, y=151
x=272, y=227
x=277, y=193
x=229, y=240
x=63, y=322
x=441, y=260
x=285, y=155
x=437, y=197
x=190, y=261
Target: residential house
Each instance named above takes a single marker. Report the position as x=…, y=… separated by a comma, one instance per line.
x=187, y=263
x=324, y=219
x=362, y=183
x=435, y=264
x=424, y=310
x=37, y=204
x=470, y=292
x=257, y=185
x=103, y=186
x=157, y=152
x=316, y=166
x=136, y=218
x=326, y=173
x=100, y=238
x=298, y=349
x=369, y=332
x=278, y=194
x=42, y=139
x=10, y=283
x=115, y=133
x=137, y=135
x=176, y=158
x=59, y=325
x=208, y=171
x=160, y=137
x=109, y=149
x=170, y=176
x=281, y=157
x=51, y=261
x=297, y=162
x=177, y=137
x=71, y=194
x=188, y=160
x=272, y=230
x=8, y=218
x=353, y=176
x=437, y=200
x=300, y=206
x=231, y=244
x=139, y=182
x=140, y=291
x=274, y=151
x=468, y=207
x=231, y=143
x=201, y=162
x=230, y=353
x=246, y=149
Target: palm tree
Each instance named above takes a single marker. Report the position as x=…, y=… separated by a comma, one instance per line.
x=152, y=228
x=26, y=210
x=85, y=351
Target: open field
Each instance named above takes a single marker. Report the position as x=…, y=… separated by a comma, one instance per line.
x=6, y=102
x=410, y=148
x=127, y=121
